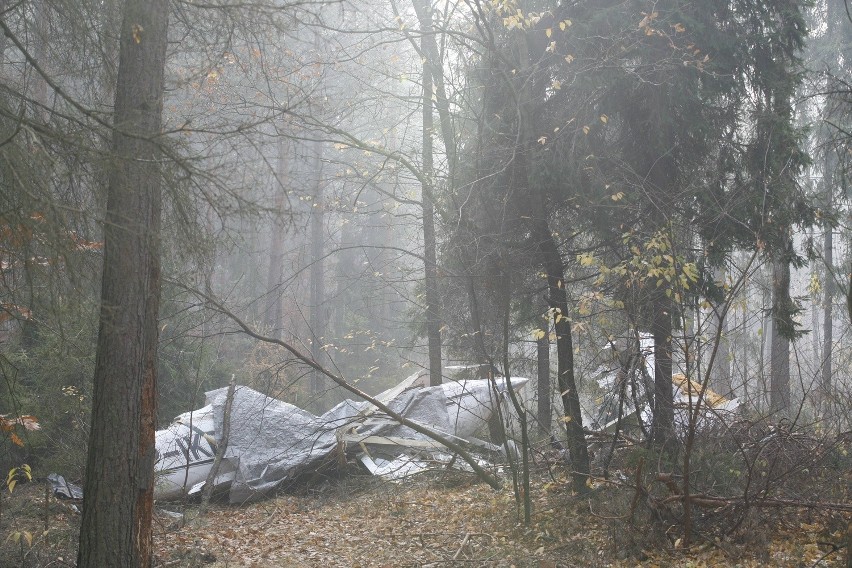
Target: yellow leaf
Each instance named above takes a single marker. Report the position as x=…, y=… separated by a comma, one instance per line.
x=569, y=58
x=137, y=33
x=548, y=32
x=586, y=259
x=539, y=334
x=568, y=23
x=566, y=419
x=586, y=130
x=604, y=118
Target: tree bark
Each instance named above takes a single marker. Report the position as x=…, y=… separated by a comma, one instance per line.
x=662, y=429
x=276, y=240
x=430, y=53
x=558, y=299
x=433, y=318
x=38, y=86
x=721, y=373
x=779, y=359
x=543, y=384
x=317, y=294
x=550, y=259
x=116, y=523
x=829, y=288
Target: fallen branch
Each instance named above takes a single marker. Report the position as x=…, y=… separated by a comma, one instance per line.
x=461, y=548
x=221, y=447
x=710, y=502
x=340, y=381
x=640, y=490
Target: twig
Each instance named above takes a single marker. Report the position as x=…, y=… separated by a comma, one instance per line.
x=640, y=490
x=463, y=544
x=270, y=518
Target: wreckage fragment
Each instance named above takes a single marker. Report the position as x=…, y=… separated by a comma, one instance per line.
x=713, y=408
x=272, y=441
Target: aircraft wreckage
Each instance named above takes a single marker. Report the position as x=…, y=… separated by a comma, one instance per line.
x=272, y=442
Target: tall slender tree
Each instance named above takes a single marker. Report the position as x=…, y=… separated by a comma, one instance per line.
x=433, y=314
x=774, y=158
x=119, y=484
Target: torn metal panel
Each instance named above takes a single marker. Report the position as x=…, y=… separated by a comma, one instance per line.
x=64, y=489
x=185, y=452
x=399, y=468
x=713, y=408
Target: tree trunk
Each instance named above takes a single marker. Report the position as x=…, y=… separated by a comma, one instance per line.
x=779, y=359
x=38, y=86
x=828, y=305
x=433, y=317
x=431, y=64
x=721, y=372
x=116, y=523
x=551, y=261
x=543, y=385
x=558, y=299
x=276, y=241
x=317, y=296
x=662, y=428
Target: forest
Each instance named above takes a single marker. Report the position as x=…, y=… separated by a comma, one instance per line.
x=637, y=209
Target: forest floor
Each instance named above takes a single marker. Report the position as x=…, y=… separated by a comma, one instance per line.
x=443, y=520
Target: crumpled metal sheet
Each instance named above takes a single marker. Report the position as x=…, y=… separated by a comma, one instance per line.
x=272, y=441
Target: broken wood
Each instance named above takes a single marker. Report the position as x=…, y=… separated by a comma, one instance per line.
x=221, y=447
